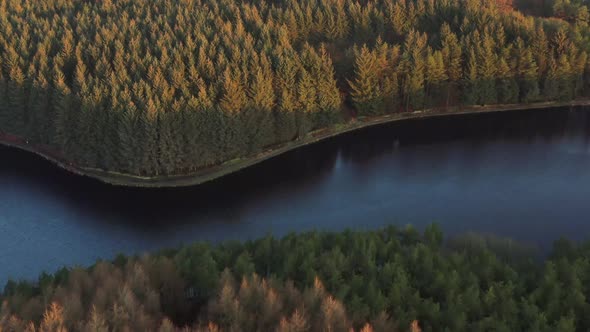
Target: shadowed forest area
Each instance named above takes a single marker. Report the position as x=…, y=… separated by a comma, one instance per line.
x=169, y=87
x=386, y=280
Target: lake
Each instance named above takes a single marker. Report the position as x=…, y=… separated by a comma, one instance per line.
x=521, y=174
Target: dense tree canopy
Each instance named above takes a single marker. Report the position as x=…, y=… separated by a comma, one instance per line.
x=154, y=87
x=385, y=280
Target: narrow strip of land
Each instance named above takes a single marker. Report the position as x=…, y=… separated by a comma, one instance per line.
x=211, y=173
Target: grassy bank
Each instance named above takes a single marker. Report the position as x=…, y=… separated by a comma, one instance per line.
x=211, y=173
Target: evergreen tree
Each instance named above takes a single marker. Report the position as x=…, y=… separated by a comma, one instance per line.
x=307, y=103
x=551, y=84
x=16, y=101
x=528, y=71
x=234, y=97
x=436, y=77
x=565, y=82
x=62, y=110
x=366, y=94
x=508, y=90
x=285, y=114
x=451, y=51
x=259, y=119
x=415, y=66
x=471, y=93
x=487, y=67
x=329, y=100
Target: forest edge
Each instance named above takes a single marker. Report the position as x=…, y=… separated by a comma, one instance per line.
x=232, y=166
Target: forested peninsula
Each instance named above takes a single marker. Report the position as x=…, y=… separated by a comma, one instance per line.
x=384, y=281
x=153, y=89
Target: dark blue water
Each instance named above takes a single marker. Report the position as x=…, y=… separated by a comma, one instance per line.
x=524, y=175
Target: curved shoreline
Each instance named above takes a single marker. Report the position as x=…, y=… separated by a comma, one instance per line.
x=211, y=173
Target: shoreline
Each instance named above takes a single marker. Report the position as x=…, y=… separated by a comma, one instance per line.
x=232, y=166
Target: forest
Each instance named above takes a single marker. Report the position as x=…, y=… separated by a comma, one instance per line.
x=392, y=279
x=159, y=87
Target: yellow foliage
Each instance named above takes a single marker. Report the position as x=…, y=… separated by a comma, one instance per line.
x=53, y=320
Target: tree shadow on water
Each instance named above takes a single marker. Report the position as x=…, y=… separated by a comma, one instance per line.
x=227, y=198
x=291, y=175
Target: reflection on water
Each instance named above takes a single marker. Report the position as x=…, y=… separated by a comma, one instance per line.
x=517, y=174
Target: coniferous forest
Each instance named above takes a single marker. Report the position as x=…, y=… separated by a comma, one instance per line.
x=158, y=87
x=386, y=280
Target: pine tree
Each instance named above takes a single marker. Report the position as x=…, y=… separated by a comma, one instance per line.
x=259, y=117
x=307, y=103
x=53, y=319
x=487, y=66
x=540, y=48
x=436, y=77
x=451, y=52
x=62, y=110
x=579, y=69
x=285, y=116
x=471, y=94
x=551, y=84
x=388, y=60
x=507, y=86
x=329, y=100
x=40, y=121
x=528, y=71
x=96, y=323
x=16, y=102
x=561, y=42
x=397, y=16
x=127, y=123
x=415, y=66
x=285, y=113
x=234, y=97
x=366, y=94
x=564, y=76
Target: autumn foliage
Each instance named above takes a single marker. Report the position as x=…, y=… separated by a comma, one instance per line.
x=254, y=304
x=505, y=5
x=386, y=280
x=157, y=88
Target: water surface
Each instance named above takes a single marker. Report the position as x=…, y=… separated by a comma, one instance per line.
x=523, y=174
